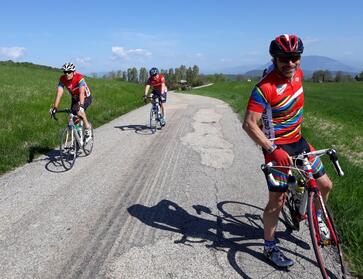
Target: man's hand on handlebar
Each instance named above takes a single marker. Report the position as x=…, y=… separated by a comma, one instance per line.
x=52, y=112
x=280, y=157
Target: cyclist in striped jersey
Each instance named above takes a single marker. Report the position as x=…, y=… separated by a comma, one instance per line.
x=273, y=120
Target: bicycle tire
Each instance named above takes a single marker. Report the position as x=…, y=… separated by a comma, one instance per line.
x=88, y=146
x=329, y=255
x=290, y=214
x=153, y=121
x=68, y=148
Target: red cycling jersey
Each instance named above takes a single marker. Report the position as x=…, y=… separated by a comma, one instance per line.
x=156, y=82
x=74, y=85
x=281, y=102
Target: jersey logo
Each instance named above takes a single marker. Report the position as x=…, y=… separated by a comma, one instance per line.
x=280, y=88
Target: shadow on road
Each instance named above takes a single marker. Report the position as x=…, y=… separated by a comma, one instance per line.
x=227, y=232
x=139, y=129
x=52, y=157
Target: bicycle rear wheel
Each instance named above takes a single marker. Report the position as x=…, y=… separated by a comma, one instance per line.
x=290, y=214
x=68, y=148
x=153, y=121
x=327, y=251
x=88, y=144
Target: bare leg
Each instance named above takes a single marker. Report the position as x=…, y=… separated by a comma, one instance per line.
x=271, y=214
x=84, y=118
x=325, y=185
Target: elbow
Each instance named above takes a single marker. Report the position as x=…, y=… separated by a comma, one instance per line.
x=246, y=126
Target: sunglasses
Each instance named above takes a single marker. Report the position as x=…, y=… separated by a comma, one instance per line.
x=67, y=72
x=287, y=59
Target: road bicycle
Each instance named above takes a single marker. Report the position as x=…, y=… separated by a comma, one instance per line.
x=72, y=139
x=302, y=202
x=155, y=115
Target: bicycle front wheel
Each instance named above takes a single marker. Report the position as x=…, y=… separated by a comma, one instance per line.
x=88, y=142
x=68, y=148
x=326, y=246
x=153, y=121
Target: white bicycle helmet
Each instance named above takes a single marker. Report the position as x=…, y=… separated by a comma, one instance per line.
x=68, y=67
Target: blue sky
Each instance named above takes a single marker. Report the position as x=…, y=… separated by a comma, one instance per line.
x=106, y=35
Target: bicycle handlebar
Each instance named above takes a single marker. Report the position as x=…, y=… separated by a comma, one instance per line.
x=66, y=110
x=266, y=168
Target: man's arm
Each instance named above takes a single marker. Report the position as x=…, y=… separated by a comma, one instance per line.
x=163, y=88
x=58, y=97
x=147, y=87
x=82, y=95
x=254, y=131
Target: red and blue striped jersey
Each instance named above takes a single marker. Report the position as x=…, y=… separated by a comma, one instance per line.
x=281, y=102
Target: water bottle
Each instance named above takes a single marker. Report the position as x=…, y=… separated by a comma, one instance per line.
x=78, y=126
x=300, y=188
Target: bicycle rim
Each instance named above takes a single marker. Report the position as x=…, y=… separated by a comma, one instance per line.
x=68, y=148
x=153, y=121
x=88, y=145
x=329, y=254
x=289, y=214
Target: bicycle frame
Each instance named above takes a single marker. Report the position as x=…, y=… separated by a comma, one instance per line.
x=71, y=125
x=306, y=172
x=155, y=106
x=325, y=248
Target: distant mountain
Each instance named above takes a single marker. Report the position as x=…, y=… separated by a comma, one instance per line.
x=309, y=64
x=315, y=62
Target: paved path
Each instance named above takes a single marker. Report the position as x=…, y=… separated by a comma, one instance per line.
x=185, y=202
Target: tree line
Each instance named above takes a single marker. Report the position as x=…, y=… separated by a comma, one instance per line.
x=328, y=76
x=174, y=77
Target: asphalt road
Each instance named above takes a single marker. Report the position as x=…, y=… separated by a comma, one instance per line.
x=185, y=202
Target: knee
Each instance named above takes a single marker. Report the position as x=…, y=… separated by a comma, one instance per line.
x=326, y=185
x=276, y=201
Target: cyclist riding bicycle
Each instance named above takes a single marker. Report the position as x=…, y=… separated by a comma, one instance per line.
x=159, y=90
x=273, y=120
x=81, y=95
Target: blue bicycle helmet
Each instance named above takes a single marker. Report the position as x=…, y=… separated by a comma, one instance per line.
x=153, y=72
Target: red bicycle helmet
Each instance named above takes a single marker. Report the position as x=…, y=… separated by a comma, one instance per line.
x=286, y=45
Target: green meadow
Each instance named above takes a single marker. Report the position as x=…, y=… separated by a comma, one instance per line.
x=333, y=118
x=26, y=94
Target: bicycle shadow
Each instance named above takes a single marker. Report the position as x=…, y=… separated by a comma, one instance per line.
x=54, y=163
x=139, y=129
x=52, y=156
x=232, y=234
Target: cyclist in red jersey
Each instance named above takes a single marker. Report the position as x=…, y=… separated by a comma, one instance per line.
x=159, y=90
x=81, y=95
x=273, y=120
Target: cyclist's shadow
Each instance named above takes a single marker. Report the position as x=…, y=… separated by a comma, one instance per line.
x=167, y=215
x=138, y=128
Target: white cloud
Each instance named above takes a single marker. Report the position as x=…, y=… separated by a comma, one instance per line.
x=83, y=61
x=12, y=52
x=130, y=54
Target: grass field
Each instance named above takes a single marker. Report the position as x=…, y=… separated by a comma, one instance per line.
x=333, y=117
x=26, y=94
